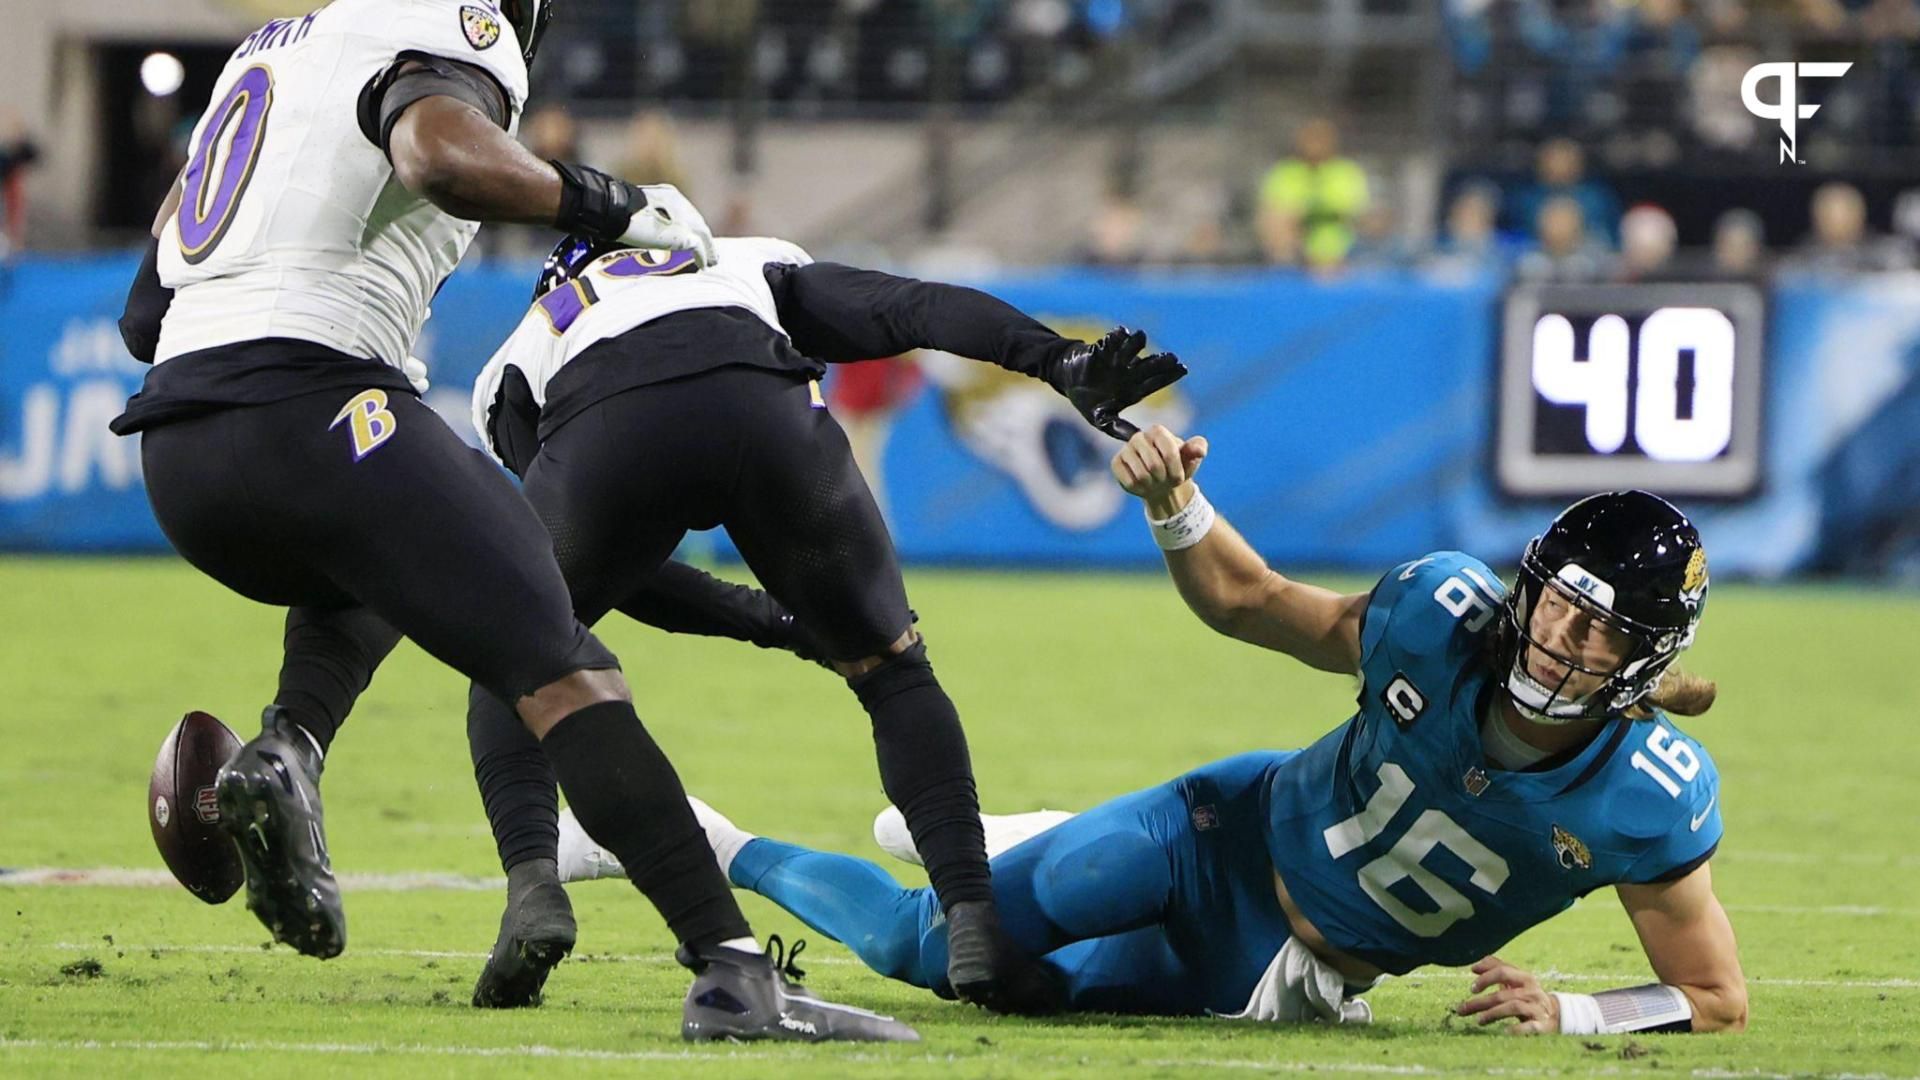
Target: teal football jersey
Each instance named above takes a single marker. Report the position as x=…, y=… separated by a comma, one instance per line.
x=1405, y=846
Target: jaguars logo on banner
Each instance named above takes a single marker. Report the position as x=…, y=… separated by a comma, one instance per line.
x=1020, y=427
x=481, y=27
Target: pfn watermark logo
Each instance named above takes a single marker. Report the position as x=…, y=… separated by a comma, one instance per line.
x=1787, y=110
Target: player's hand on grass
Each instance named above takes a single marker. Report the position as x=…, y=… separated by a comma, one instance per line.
x=1157, y=467
x=1110, y=375
x=670, y=221
x=1519, y=997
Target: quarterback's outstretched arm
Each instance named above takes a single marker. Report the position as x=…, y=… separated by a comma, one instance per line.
x=1689, y=941
x=1219, y=574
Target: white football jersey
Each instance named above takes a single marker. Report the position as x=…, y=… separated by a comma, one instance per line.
x=625, y=289
x=291, y=224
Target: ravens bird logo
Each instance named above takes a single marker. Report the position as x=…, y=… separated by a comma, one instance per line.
x=481, y=27
x=1573, y=853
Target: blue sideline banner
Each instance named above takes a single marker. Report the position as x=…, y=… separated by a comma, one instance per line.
x=1350, y=421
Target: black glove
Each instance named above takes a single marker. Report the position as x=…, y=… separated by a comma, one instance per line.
x=1110, y=375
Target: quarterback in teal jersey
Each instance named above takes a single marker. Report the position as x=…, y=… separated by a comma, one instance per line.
x=1508, y=756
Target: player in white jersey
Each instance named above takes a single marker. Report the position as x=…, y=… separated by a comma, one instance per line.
x=336, y=179
x=643, y=396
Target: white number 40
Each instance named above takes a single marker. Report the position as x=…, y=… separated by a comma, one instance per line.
x=1679, y=758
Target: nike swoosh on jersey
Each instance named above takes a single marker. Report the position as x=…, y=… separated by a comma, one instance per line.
x=1702, y=819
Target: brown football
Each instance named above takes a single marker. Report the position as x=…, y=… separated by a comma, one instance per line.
x=183, y=812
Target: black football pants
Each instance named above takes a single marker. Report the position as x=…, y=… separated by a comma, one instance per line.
x=342, y=503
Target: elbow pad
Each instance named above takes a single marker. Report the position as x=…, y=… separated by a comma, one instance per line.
x=417, y=75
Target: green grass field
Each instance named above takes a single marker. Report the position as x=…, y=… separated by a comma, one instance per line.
x=1074, y=688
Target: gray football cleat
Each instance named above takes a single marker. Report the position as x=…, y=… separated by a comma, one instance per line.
x=269, y=797
x=741, y=996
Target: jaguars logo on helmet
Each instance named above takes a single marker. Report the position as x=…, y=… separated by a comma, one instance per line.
x=1634, y=563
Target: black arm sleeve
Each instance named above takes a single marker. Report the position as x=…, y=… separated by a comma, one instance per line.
x=147, y=304
x=681, y=599
x=416, y=75
x=838, y=313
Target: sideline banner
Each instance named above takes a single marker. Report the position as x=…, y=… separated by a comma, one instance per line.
x=1351, y=421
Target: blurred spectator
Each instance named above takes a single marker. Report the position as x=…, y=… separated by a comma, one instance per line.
x=1310, y=203
x=1661, y=38
x=1469, y=240
x=1560, y=173
x=1720, y=117
x=1841, y=242
x=550, y=133
x=1583, y=42
x=1470, y=31
x=1563, y=252
x=1648, y=238
x=652, y=152
x=17, y=152
x=1471, y=223
x=1114, y=235
x=1739, y=245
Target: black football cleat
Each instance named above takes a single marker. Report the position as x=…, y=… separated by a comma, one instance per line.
x=536, y=933
x=269, y=797
x=743, y=997
x=986, y=968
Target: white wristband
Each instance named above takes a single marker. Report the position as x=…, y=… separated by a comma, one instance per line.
x=1185, y=528
x=1653, y=1007
x=1579, y=1014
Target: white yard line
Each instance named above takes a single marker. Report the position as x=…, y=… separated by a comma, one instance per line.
x=662, y=957
x=828, y=1057
x=667, y=958
x=143, y=877
x=1822, y=858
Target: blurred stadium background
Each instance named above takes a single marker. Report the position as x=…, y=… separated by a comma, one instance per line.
x=1386, y=234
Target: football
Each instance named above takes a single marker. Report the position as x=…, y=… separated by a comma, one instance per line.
x=183, y=812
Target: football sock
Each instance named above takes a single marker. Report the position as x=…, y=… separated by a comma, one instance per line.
x=331, y=654
x=926, y=772
x=516, y=781
x=628, y=798
x=723, y=836
x=848, y=899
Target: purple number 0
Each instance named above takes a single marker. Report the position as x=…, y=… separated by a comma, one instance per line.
x=206, y=210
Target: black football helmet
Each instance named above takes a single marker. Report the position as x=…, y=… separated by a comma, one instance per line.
x=1632, y=561
x=568, y=260
x=529, y=19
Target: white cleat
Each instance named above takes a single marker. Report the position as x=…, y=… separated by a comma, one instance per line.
x=1004, y=831
x=580, y=858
